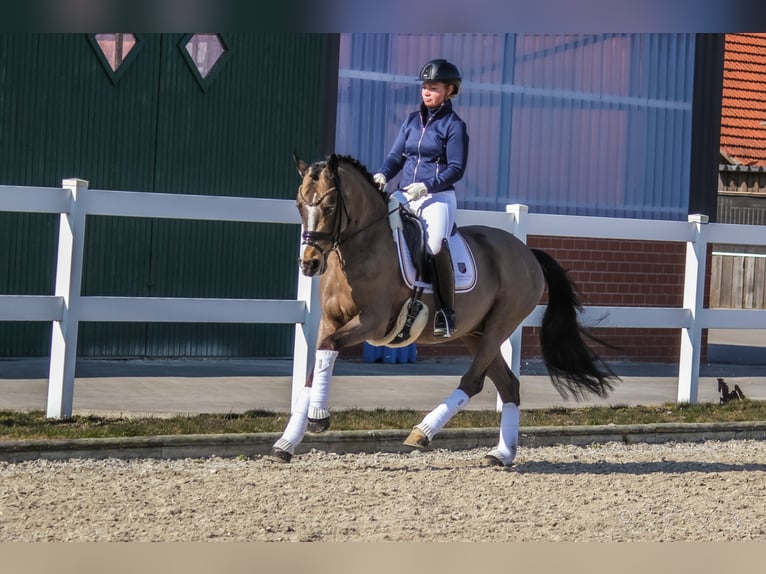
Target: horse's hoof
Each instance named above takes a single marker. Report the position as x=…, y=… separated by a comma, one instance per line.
x=279, y=455
x=495, y=458
x=489, y=460
x=417, y=439
x=318, y=426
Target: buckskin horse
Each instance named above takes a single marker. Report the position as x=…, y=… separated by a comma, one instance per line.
x=348, y=241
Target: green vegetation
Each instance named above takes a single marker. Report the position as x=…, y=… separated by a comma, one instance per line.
x=33, y=425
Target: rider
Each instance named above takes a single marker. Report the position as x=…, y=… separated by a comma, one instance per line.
x=431, y=151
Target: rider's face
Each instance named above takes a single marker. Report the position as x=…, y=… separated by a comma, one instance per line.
x=434, y=93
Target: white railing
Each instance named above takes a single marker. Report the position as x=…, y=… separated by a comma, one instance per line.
x=691, y=318
x=67, y=307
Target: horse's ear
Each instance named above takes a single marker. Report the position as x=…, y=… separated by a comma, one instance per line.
x=300, y=164
x=332, y=164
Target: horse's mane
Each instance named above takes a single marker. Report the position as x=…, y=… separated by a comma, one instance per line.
x=355, y=163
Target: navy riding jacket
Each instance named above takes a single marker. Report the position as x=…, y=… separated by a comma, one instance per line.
x=431, y=147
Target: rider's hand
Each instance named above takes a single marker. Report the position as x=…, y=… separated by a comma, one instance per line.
x=415, y=191
x=380, y=179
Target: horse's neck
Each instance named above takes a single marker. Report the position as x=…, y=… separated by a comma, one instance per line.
x=368, y=248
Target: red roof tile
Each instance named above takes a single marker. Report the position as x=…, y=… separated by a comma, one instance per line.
x=743, y=114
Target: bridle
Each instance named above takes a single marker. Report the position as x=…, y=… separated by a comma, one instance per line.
x=313, y=238
x=333, y=238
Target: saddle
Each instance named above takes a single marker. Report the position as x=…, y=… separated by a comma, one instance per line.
x=410, y=238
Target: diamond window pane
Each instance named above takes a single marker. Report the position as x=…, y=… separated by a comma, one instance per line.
x=205, y=50
x=116, y=47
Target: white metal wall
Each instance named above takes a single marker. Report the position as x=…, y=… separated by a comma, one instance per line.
x=575, y=124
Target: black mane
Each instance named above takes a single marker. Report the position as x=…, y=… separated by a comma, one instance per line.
x=355, y=163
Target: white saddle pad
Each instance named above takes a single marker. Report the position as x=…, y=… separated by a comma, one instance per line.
x=462, y=262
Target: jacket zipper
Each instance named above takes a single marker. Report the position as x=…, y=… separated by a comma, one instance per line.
x=422, y=134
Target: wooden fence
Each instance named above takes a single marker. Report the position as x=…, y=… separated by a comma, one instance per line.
x=738, y=280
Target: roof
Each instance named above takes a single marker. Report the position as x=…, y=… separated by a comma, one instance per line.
x=743, y=112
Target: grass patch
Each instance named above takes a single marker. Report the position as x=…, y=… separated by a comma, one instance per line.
x=33, y=425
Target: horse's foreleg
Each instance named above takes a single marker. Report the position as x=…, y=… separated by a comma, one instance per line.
x=284, y=449
x=318, y=414
x=310, y=413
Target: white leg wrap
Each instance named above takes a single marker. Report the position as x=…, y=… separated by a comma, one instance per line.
x=509, y=434
x=320, y=384
x=296, y=426
x=440, y=416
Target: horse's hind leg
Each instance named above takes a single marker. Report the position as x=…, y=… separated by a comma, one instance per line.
x=508, y=387
x=470, y=385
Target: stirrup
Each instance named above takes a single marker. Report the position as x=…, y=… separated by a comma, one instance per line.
x=444, y=323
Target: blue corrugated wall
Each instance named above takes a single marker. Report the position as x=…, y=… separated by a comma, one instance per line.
x=570, y=124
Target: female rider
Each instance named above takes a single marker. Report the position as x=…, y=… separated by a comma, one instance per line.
x=431, y=151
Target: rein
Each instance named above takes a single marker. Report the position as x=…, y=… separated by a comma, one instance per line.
x=313, y=237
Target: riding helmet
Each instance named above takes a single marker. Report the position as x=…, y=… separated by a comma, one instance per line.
x=441, y=70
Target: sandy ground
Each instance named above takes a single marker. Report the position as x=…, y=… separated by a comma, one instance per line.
x=711, y=491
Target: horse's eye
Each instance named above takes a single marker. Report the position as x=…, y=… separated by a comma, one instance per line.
x=329, y=210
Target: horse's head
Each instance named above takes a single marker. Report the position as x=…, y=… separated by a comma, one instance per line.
x=320, y=204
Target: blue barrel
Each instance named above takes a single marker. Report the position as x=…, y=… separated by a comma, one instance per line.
x=390, y=355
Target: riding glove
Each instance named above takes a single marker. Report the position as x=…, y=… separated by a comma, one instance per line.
x=415, y=191
x=380, y=179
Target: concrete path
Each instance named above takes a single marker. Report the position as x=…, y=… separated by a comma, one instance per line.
x=166, y=387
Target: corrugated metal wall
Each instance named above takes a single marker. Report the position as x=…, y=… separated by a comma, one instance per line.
x=156, y=129
x=571, y=124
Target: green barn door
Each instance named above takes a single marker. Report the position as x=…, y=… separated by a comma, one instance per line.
x=216, y=115
x=62, y=115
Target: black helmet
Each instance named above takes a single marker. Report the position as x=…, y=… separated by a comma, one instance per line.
x=441, y=70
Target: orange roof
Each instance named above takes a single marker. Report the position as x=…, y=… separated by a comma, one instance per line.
x=743, y=113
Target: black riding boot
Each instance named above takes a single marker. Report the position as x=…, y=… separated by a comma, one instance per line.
x=443, y=280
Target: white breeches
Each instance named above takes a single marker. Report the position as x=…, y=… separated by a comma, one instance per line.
x=437, y=210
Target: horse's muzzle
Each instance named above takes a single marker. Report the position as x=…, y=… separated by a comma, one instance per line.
x=311, y=266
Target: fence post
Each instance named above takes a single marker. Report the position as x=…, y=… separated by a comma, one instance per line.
x=694, y=294
x=68, y=283
x=511, y=348
x=305, y=334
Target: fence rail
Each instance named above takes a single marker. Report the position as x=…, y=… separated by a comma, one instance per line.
x=67, y=307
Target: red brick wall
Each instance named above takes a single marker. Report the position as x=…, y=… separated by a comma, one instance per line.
x=615, y=272
x=608, y=272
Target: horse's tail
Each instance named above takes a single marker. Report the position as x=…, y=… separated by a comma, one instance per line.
x=574, y=367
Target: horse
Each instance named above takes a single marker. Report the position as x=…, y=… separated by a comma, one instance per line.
x=348, y=242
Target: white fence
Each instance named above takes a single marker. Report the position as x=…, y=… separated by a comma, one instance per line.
x=67, y=307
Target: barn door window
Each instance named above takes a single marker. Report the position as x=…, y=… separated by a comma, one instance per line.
x=115, y=52
x=205, y=54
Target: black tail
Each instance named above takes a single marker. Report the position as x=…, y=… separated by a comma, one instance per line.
x=574, y=368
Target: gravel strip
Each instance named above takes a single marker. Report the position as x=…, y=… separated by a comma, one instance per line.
x=710, y=491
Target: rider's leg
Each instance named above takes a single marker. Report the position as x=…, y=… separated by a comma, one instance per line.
x=444, y=292
x=437, y=211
